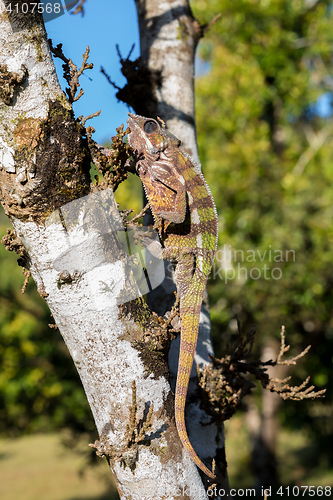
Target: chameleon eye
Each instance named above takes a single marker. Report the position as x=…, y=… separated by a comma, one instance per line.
x=150, y=126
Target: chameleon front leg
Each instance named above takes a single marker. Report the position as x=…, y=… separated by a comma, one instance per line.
x=148, y=240
x=175, y=190
x=165, y=191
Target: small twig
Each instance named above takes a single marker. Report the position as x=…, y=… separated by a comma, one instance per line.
x=71, y=73
x=208, y=25
x=295, y=393
x=317, y=142
x=139, y=215
x=225, y=384
x=284, y=349
x=201, y=29
x=92, y=115
x=109, y=79
x=146, y=425
x=84, y=63
x=27, y=275
x=287, y=392
x=133, y=434
x=133, y=411
x=79, y=8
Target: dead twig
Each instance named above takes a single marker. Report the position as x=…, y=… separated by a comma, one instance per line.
x=139, y=215
x=27, y=275
x=109, y=79
x=316, y=143
x=79, y=8
x=202, y=29
x=225, y=384
x=284, y=349
x=71, y=73
x=136, y=429
x=92, y=115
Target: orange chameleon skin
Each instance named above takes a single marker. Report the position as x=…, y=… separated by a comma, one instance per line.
x=184, y=211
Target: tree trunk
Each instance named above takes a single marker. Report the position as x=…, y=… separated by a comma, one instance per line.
x=70, y=243
x=264, y=426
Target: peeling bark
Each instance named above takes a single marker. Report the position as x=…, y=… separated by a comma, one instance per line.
x=45, y=161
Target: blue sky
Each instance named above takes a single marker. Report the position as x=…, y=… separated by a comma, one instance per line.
x=105, y=24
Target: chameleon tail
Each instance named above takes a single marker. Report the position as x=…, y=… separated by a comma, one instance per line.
x=190, y=306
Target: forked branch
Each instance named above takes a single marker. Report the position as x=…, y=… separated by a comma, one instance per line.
x=225, y=383
x=71, y=73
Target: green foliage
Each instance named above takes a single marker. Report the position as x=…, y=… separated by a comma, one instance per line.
x=268, y=158
x=130, y=194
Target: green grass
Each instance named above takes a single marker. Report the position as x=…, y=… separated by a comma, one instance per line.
x=39, y=467
x=300, y=462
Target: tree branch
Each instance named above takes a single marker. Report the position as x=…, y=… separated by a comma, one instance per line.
x=317, y=142
x=224, y=382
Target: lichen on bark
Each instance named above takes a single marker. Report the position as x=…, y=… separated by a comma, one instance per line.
x=52, y=163
x=9, y=82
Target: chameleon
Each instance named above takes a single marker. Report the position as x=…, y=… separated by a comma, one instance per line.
x=186, y=219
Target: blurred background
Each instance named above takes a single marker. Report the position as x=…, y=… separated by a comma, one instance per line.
x=264, y=91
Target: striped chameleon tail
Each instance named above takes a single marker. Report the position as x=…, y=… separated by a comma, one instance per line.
x=190, y=306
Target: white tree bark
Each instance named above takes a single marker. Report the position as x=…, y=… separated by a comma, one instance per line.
x=45, y=162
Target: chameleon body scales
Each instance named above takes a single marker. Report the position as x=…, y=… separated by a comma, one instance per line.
x=185, y=215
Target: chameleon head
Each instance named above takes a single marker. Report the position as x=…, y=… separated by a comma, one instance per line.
x=147, y=134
